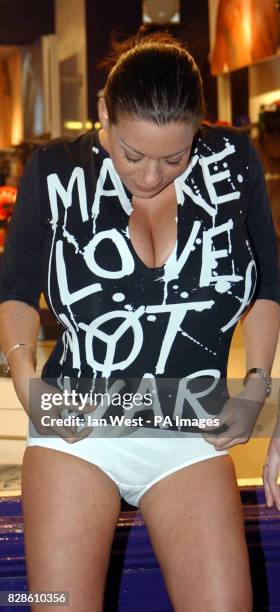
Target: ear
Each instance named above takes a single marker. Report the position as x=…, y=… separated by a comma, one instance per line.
x=103, y=113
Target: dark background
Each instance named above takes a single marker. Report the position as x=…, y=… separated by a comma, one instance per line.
x=23, y=21
x=126, y=17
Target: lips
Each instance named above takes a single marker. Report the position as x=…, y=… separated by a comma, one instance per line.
x=146, y=189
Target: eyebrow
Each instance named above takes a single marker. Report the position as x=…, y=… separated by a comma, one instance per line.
x=164, y=157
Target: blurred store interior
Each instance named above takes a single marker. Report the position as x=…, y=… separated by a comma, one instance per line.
x=49, y=86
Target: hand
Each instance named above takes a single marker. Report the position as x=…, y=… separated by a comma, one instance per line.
x=271, y=471
x=52, y=427
x=237, y=417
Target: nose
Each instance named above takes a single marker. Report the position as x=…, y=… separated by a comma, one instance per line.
x=151, y=174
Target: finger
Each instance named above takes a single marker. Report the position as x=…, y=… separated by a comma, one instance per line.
x=275, y=492
x=268, y=494
x=275, y=498
x=215, y=441
x=270, y=476
x=213, y=437
x=224, y=424
x=72, y=422
x=87, y=409
x=210, y=439
x=84, y=434
x=224, y=443
x=224, y=428
x=230, y=443
x=70, y=435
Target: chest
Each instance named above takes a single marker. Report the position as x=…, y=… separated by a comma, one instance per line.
x=153, y=228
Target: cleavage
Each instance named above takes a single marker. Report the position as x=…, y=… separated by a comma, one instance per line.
x=153, y=228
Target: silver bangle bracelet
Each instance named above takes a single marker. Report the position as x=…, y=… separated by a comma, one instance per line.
x=13, y=348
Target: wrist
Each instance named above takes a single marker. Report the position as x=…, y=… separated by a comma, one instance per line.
x=22, y=354
x=21, y=382
x=258, y=378
x=255, y=389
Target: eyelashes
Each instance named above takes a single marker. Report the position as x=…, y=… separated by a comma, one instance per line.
x=169, y=163
x=130, y=160
x=174, y=163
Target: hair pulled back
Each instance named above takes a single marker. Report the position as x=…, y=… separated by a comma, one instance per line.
x=153, y=77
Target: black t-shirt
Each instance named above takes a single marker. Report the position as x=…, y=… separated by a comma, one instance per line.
x=69, y=238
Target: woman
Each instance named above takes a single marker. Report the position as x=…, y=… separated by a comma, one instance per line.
x=148, y=237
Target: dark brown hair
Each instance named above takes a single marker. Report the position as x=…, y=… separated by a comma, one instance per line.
x=153, y=77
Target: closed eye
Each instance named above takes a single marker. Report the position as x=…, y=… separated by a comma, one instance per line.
x=131, y=160
x=174, y=163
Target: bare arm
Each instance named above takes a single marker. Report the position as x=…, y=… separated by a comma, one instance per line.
x=261, y=328
x=19, y=323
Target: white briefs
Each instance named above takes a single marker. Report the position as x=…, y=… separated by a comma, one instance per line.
x=132, y=462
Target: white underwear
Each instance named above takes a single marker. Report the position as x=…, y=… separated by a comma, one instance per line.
x=135, y=463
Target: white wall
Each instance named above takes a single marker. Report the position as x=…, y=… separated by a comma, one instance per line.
x=70, y=18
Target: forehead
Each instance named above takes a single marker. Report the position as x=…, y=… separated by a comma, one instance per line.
x=151, y=139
